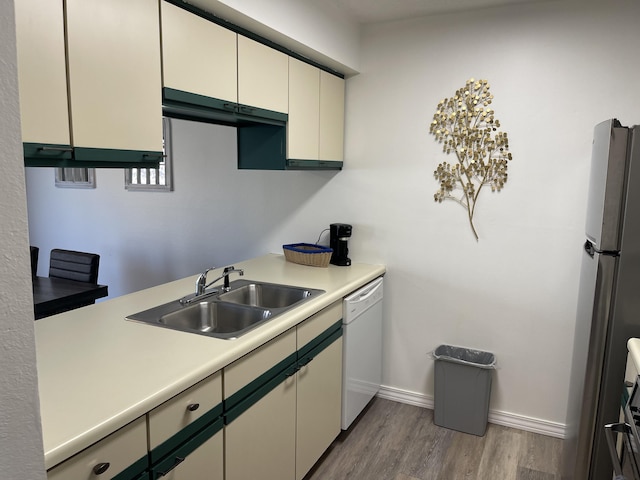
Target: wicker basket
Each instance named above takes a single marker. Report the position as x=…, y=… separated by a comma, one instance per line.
x=308, y=254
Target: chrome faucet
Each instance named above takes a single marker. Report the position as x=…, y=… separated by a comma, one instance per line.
x=201, y=282
x=202, y=285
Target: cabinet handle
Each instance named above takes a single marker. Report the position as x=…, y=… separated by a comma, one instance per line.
x=192, y=407
x=153, y=157
x=292, y=372
x=229, y=106
x=56, y=149
x=304, y=362
x=100, y=468
x=246, y=109
x=177, y=462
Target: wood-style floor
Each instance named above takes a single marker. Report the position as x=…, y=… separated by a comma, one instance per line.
x=394, y=441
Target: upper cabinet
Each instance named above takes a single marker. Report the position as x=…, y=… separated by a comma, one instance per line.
x=113, y=55
x=89, y=80
x=316, y=117
x=263, y=76
x=304, y=112
x=42, y=78
x=199, y=57
x=331, y=141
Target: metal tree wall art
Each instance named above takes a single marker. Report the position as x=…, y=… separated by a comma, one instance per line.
x=466, y=127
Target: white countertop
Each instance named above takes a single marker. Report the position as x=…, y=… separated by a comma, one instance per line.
x=97, y=372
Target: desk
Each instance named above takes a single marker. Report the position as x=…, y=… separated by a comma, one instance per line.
x=56, y=295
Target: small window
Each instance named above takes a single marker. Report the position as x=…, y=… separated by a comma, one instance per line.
x=158, y=179
x=76, y=177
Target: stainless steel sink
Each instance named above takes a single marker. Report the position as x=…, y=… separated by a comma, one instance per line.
x=267, y=295
x=229, y=314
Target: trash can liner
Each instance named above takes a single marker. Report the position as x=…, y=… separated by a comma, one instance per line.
x=465, y=356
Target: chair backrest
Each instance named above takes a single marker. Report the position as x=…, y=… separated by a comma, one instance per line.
x=34, y=260
x=78, y=266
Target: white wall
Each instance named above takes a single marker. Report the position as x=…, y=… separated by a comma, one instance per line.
x=20, y=431
x=216, y=214
x=554, y=71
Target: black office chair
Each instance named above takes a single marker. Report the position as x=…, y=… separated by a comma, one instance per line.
x=34, y=260
x=72, y=265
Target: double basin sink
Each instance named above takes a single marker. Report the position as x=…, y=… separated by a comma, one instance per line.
x=229, y=314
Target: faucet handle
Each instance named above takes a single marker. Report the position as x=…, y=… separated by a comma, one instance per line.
x=202, y=280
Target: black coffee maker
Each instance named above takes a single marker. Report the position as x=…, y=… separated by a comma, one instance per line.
x=339, y=234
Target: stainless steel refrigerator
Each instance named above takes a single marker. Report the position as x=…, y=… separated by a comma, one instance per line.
x=608, y=311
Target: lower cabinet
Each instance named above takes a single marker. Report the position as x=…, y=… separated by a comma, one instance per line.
x=261, y=441
x=205, y=461
x=283, y=401
x=318, y=406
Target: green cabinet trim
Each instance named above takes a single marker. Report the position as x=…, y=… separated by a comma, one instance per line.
x=293, y=164
x=46, y=153
x=65, y=156
x=135, y=471
x=253, y=36
x=192, y=105
x=213, y=416
x=173, y=96
x=116, y=156
x=318, y=344
x=182, y=452
x=251, y=393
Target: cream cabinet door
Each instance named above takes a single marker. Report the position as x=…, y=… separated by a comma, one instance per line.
x=263, y=76
x=204, y=463
x=331, y=117
x=198, y=56
x=318, y=406
x=114, y=74
x=110, y=456
x=303, y=126
x=42, y=73
x=261, y=443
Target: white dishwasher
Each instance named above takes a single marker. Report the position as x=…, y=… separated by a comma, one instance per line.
x=362, y=349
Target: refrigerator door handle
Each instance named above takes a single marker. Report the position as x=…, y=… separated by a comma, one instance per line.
x=589, y=248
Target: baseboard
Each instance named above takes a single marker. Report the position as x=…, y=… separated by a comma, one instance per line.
x=506, y=419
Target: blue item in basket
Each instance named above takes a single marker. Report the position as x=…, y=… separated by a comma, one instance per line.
x=307, y=248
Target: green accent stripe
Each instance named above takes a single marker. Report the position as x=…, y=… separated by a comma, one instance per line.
x=186, y=449
x=114, y=155
x=265, y=41
x=293, y=164
x=180, y=97
x=46, y=152
x=135, y=471
x=244, y=398
x=191, y=430
x=37, y=155
x=187, y=104
x=321, y=342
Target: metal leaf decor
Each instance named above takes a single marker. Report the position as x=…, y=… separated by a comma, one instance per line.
x=466, y=127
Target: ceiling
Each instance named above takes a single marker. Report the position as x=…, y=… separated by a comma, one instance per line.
x=376, y=11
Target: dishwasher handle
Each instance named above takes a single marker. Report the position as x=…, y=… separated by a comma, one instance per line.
x=365, y=293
